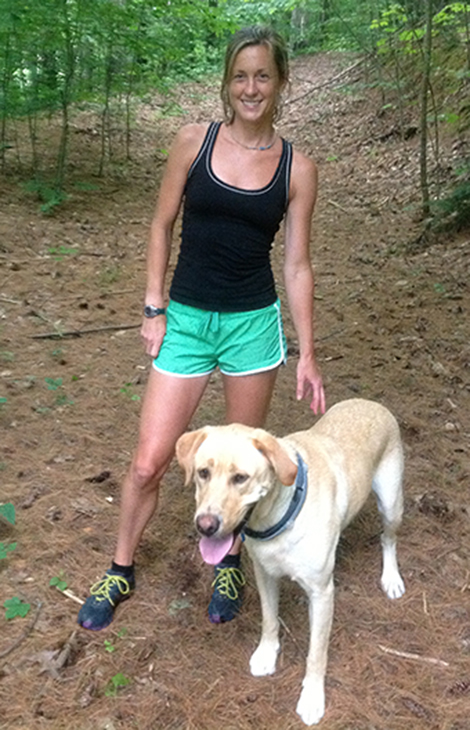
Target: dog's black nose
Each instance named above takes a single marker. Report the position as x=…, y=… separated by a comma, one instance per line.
x=207, y=524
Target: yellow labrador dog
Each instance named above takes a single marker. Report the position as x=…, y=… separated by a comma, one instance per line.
x=292, y=497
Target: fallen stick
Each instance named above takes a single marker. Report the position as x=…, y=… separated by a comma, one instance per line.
x=71, y=595
x=87, y=331
x=337, y=205
x=416, y=657
x=326, y=83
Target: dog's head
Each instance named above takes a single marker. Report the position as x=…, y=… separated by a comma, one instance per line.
x=233, y=467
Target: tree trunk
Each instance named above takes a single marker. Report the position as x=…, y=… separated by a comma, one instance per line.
x=427, y=58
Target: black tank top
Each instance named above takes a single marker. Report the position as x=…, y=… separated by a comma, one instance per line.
x=227, y=235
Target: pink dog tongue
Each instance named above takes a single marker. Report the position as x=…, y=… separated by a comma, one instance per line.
x=213, y=549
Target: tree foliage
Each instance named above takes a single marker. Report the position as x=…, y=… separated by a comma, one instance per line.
x=57, y=56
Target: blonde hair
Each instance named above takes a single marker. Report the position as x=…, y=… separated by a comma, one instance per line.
x=254, y=35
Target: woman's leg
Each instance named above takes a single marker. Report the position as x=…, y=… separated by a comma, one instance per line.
x=168, y=406
x=247, y=399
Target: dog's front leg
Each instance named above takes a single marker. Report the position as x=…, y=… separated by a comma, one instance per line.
x=263, y=661
x=311, y=705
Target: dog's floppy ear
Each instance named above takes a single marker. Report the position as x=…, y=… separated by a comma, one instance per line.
x=277, y=456
x=186, y=447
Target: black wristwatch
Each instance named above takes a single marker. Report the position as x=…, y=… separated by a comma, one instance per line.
x=151, y=311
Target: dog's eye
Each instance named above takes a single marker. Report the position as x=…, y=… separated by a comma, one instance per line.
x=203, y=474
x=239, y=478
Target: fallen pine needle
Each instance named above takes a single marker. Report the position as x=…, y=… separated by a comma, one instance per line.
x=416, y=657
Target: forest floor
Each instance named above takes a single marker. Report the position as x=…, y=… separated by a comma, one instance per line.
x=393, y=325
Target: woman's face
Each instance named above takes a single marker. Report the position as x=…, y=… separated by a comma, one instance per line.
x=254, y=84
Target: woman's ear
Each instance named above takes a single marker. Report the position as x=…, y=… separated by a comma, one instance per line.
x=186, y=448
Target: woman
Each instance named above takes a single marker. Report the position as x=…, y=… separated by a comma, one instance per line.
x=238, y=180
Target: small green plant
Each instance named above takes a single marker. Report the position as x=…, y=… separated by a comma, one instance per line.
x=16, y=607
x=53, y=383
x=58, y=581
x=115, y=684
x=127, y=390
x=61, y=398
x=109, y=646
x=7, y=356
x=42, y=410
x=7, y=512
x=6, y=548
x=51, y=198
x=86, y=187
x=60, y=251
x=3, y=401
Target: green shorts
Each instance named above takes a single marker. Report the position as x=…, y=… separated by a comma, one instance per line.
x=198, y=341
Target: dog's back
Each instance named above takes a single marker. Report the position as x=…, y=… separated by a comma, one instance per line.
x=349, y=428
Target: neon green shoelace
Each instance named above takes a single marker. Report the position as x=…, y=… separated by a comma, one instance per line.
x=228, y=582
x=102, y=589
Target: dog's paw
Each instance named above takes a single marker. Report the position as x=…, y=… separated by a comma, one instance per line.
x=263, y=661
x=311, y=705
x=393, y=585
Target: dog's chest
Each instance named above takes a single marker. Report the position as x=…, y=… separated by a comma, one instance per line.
x=289, y=556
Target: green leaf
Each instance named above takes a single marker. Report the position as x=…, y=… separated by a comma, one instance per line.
x=5, y=549
x=119, y=680
x=8, y=512
x=59, y=583
x=53, y=384
x=16, y=607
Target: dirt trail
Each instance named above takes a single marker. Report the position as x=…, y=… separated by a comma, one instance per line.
x=390, y=326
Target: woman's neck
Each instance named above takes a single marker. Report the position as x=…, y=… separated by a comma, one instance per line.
x=252, y=137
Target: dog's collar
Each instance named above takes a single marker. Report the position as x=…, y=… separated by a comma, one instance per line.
x=296, y=504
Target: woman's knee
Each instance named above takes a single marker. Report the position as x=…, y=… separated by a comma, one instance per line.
x=148, y=470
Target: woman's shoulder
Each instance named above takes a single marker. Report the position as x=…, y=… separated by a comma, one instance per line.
x=192, y=134
x=302, y=163
x=304, y=176
x=187, y=143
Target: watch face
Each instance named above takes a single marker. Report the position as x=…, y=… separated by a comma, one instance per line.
x=151, y=311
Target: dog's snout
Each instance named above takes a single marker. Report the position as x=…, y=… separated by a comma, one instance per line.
x=207, y=524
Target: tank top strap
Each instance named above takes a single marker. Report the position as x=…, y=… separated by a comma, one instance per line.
x=207, y=145
x=285, y=165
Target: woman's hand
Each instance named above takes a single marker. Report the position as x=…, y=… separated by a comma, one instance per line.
x=152, y=333
x=310, y=384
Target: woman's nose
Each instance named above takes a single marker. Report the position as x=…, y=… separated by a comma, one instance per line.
x=251, y=86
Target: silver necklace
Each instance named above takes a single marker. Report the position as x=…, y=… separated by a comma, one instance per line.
x=261, y=148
